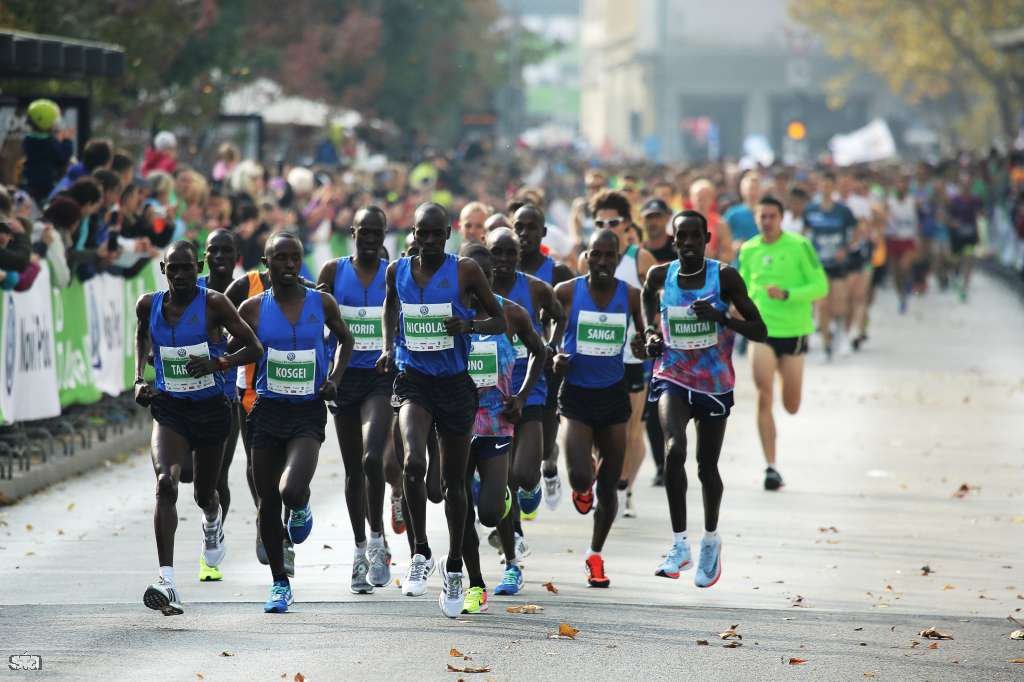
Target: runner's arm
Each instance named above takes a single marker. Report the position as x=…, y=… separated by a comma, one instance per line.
x=563, y=293
x=645, y=260
x=637, y=344
x=238, y=291
x=815, y=282
x=735, y=292
x=652, y=286
x=561, y=273
x=325, y=281
x=477, y=285
x=225, y=315
x=551, y=309
x=390, y=321
x=333, y=321
x=520, y=323
x=143, y=391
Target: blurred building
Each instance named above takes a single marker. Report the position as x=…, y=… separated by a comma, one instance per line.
x=685, y=79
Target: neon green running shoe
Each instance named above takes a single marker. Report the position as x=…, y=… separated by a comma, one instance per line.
x=475, y=601
x=208, y=574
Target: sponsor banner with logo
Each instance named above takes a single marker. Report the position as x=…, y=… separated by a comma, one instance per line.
x=105, y=312
x=145, y=282
x=74, y=358
x=28, y=368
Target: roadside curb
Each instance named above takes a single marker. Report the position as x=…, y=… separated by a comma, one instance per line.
x=60, y=468
x=1008, y=276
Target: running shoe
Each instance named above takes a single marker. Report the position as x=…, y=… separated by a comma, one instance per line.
x=621, y=493
x=379, y=574
x=529, y=502
x=595, y=571
x=583, y=502
x=213, y=541
x=772, y=479
x=280, y=597
x=415, y=583
x=630, y=511
x=522, y=550
x=552, y=490
x=300, y=524
x=677, y=559
x=261, y=551
x=476, y=600
x=360, y=567
x=453, y=592
x=289, y=558
x=709, y=569
x=397, y=516
x=208, y=574
x=162, y=596
x=512, y=583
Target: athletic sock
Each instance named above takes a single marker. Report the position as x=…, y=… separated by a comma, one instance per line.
x=376, y=539
x=513, y=562
x=712, y=535
x=167, y=573
x=423, y=549
x=282, y=578
x=680, y=538
x=591, y=553
x=360, y=549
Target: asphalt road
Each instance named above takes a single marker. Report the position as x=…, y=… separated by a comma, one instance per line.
x=828, y=571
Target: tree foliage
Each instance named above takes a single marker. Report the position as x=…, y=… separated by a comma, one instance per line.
x=929, y=50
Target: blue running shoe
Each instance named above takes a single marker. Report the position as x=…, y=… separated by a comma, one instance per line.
x=280, y=597
x=529, y=502
x=300, y=524
x=512, y=582
x=709, y=568
x=474, y=488
x=677, y=559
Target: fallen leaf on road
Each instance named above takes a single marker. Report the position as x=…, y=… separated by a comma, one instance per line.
x=525, y=608
x=1017, y=660
x=1017, y=634
x=914, y=643
x=29, y=527
x=72, y=506
x=829, y=529
x=732, y=645
x=857, y=629
x=468, y=669
x=702, y=642
x=326, y=546
x=455, y=653
x=226, y=653
x=963, y=491
x=933, y=645
x=926, y=569
x=932, y=633
x=948, y=587
x=869, y=674
x=299, y=677
x=797, y=661
x=731, y=633
x=566, y=630
x=550, y=587
x=199, y=676
x=60, y=531
x=798, y=601
x=888, y=588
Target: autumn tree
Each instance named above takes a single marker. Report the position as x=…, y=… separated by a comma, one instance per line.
x=928, y=50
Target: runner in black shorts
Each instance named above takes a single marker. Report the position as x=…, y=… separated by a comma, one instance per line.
x=182, y=327
x=787, y=345
x=363, y=416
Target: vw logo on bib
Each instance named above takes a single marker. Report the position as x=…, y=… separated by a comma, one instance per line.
x=424, y=310
x=603, y=318
x=362, y=312
x=182, y=352
x=291, y=356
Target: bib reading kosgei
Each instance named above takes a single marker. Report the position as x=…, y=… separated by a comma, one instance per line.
x=423, y=326
x=366, y=325
x=483, y=363
x=600, y=334
x=173, y=361
x=291, y=372
x=686, y=332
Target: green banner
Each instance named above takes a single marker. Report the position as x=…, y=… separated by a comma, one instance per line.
x=142, y=283
x=71, y=337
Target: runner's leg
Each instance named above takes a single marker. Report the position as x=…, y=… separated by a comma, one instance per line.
x=764, y=365
x=350, y=440
x=674, y=414
x=611, y=447
x=454, y=451
x=415, y=424
x=169, y=450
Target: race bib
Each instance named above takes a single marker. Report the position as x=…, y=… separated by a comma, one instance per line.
x=686, y=332
x=366, y=325
x=173, y=361
x=483, y=363
x=291, y=372
x=521, y=352
x=423, y=326
x=601, y=334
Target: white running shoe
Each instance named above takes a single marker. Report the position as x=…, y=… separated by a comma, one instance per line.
x=453, y=592
x=621, y=507
x=162, y=596
x=415, y=583
x=552, y=490
x=522, y=550
x=213, y=541
x=360, y=567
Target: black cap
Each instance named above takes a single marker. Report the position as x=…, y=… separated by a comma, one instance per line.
x=655, y=206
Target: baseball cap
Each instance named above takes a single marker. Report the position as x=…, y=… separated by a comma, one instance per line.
x=655, y=206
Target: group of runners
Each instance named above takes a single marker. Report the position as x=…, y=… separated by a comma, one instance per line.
x=462, y=378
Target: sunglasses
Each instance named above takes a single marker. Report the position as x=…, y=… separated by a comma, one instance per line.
x=614, y=222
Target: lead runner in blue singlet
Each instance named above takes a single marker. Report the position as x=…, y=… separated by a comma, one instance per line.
x=427, y=323
x=191, y=416
x=286, y=424
x=593, y=400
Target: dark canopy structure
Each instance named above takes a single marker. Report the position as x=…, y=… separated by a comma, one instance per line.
x=28, y=55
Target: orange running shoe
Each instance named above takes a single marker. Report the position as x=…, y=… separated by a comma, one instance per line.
x=583, y=502
x=397, y=516
x=595, y=571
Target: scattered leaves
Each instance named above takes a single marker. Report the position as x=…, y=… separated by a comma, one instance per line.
x=702, y=642
x=199, y=676
x=29, y=527
x=869, y=674
x=299, y=677
x=797, y=661
x=226, y=654
x=932, y=633
x=829, y=529
x=71, y=506
x=798, y=601
x=948, y=587
x=731, y=633
x=566, y=630
x=455, y=653
x=525, y=608
x=1017, y=634
x=733, y=644
x=933, y=645
x=926, y=570
x=468, y=669
x=326, y=546
x=963, y=491
x=550, y=587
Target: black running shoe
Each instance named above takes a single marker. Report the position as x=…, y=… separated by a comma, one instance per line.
x=772, y=479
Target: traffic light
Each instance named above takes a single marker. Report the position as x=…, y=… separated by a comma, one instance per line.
x=796, y=130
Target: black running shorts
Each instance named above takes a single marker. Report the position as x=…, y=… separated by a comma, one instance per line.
x=452, y=400
x=787, y=345
x=273, y=422
x=486, y=447
x=595, y=407
x=634, y=376
x=532, y=413
x=200, y=422
x=358, y=385
x=702, y=405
